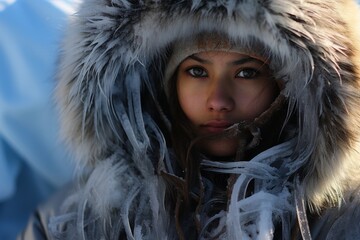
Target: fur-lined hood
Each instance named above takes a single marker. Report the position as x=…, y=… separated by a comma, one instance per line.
x=110, y=88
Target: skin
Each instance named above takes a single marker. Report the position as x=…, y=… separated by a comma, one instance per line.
x=217, y=89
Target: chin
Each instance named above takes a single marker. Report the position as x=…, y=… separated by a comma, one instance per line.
x=219, y=147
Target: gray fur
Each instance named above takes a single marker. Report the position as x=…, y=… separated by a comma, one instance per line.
x=108, y=55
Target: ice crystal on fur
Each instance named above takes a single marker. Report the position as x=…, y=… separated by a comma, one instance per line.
x=110, y=100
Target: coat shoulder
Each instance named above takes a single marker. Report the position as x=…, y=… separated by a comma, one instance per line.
x=340, y=222
x=38, y=224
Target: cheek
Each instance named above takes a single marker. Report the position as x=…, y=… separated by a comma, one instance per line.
x=190, y=101
x=259, y=100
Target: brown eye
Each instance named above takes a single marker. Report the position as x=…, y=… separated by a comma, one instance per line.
x=247, y=73
x=197, y=72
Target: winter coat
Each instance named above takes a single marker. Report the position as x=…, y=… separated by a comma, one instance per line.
x=114, y=115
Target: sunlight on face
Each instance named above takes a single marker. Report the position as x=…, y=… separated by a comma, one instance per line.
x=217, y=89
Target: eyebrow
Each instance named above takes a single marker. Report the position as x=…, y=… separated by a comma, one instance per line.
x=201, y=60
x=237, y=62
x=245, y=60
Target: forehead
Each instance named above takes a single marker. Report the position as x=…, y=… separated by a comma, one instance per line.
x=223, y=57
x=220, y=54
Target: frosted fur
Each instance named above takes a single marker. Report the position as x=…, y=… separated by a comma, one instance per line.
x=110, y=54
x=252, y=217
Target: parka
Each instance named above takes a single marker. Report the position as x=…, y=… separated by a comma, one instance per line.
x=116, y=117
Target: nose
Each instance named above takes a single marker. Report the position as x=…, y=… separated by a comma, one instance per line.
x=220, y=97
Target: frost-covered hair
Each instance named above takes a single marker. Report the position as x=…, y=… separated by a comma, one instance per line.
x=111, y=97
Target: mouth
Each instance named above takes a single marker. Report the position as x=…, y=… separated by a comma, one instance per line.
x=215, y=126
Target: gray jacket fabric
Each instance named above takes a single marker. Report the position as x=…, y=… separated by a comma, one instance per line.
x=114, y=115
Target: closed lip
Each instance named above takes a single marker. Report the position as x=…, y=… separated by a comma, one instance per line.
x=216, y=126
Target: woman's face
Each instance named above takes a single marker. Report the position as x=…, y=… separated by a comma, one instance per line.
x=217, y=89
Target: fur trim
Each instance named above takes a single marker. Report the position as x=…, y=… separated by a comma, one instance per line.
x=114, y=49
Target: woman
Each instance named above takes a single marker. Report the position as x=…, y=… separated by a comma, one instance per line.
x=210, y=120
